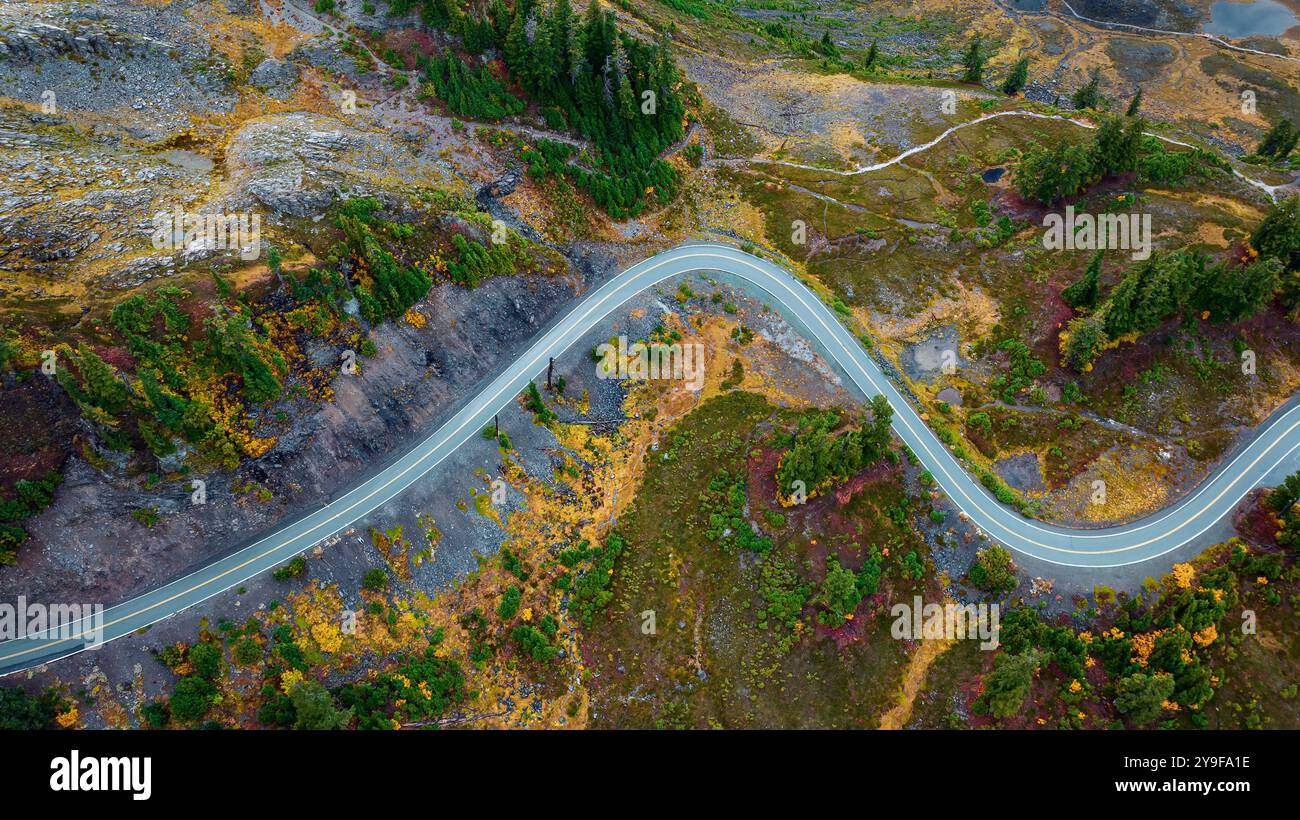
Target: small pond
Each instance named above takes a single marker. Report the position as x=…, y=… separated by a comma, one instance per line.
x=188, y=160
x=1257, y=17
x=992, y=175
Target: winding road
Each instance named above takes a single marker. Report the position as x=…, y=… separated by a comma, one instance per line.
x=1277, y=439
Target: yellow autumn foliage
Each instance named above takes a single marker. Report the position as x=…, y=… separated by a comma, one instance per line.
x=69, y=718
x=290, y=679
x=1143, y=644
x=415, y=318
x=327, y=636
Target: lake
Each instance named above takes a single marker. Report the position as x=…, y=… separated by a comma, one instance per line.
x=1266, y=17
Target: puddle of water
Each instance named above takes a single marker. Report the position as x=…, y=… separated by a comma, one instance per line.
x=918, y=226
x=1257, y=17
x=188, y=160
x=992, y=175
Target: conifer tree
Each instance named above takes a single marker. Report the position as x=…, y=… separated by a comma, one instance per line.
x=1108, y=147
x=1279, y=141
x=1278, y=234
x=1153, y=290
x=516, y=45
x=621, y=82
x=1134, y=134
x=1135, y=105
x=1089, y=94
x=973, y=60
x=1017, y=78
x=1085, y=337
x=1083, y=294
x=544, y=56
x=100, y=381
x=1049, y=174
x=1233, y=292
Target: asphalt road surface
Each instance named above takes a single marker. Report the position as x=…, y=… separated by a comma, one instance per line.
x=1275, y=441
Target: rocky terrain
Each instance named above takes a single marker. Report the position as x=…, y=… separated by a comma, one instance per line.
x=85, y=170
x=85, y=545
x=258, y=120
x=897, y=178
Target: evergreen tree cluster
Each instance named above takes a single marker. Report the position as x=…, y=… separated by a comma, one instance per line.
x=843, y=589
x=1233, y=292
x=1155, y=657
x=591, y=593
x=1154, y=290
x=802, y=45
x=1158, y=164
x=233, y=346
x=1024, y=368
x=1278, y=236
x=993, y=570
x=20, y=711
x=1285, y=495
x=470, y=93
x=477, y=262
x=1279, y=142
x=30, y=498
x=422, y=689
x=723, y=503
x=179, y=373
x=1284, y=501
x=387, y=288
x=1048, y=174
x=618, y=92
x=1006, y=687
x=818, y=456
x=173, y=366
x=476, y=33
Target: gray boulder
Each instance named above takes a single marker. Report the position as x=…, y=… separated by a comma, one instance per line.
x=276, y=77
